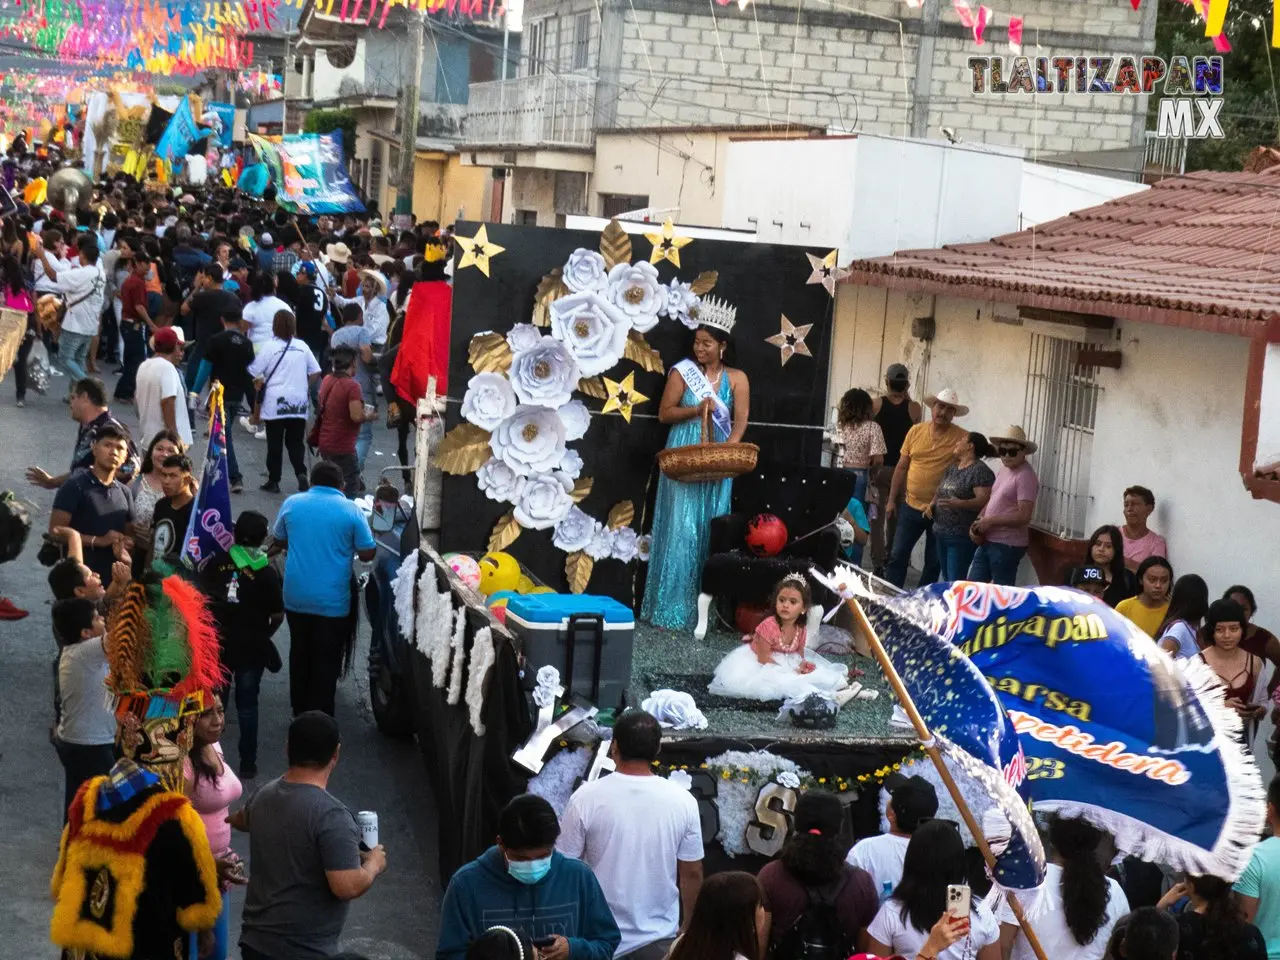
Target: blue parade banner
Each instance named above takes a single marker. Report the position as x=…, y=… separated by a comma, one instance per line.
x=1113, y=729
x=181, y=132
x=309, y=172
x=210, y=531
x=227, y=118
x=973, y=731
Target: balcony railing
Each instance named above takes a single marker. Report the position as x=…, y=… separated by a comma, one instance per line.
x=1165, y=157
x=540, y=111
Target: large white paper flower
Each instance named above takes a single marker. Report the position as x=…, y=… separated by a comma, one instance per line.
x=636, y=291
x=601, y=545
x=489, y=400
x=624, y=544
x=575, y=531
x=529, y=441
x=585, y=271
x=544, y=501
x=544, y=375
x=592, y=328
x=680, y=301
x=571, y=464
x=681, y=779
x=499, y=482
x=576, y=418
x=523, y=336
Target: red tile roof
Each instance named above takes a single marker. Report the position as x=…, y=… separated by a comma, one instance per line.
x=1199, y=251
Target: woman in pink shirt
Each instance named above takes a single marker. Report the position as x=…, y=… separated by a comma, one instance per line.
x=1003, y=530
x=213, y=787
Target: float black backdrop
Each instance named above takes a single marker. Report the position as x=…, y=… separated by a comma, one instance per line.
x=764, y=281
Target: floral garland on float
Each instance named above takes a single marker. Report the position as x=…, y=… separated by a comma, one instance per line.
x=520, y=411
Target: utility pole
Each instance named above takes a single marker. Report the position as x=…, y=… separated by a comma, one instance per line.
x=409, y=115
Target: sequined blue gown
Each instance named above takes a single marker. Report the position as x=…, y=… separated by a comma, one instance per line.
x=681, y=530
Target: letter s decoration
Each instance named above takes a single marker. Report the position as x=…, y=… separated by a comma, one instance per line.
x=775, y=808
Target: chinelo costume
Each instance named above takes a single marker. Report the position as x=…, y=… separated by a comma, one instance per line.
x=135, y=874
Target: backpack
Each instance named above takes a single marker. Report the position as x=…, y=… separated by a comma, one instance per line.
x=818, y=933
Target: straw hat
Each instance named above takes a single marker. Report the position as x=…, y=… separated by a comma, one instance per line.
x=949, y=397
x=380, y=278
x=338, y=252
x=1014, y=434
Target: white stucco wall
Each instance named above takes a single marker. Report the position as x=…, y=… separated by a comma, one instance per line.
x=1168, y=419
x=1269, y=414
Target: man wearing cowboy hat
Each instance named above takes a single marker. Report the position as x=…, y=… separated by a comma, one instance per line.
x=371, y=298
x=926, y=453
x=1003, y=529
x=160, y=393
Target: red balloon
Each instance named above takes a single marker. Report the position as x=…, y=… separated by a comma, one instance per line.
x=766, y=535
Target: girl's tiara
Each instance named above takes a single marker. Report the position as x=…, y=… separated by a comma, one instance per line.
x=797, y=578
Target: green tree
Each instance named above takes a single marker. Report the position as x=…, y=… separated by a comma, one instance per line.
x=1250, y=112
x=326, y=121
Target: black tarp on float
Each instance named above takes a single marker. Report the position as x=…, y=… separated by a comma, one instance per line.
x=764, y=281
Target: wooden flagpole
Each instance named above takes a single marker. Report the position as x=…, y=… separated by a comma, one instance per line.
x=931, y=748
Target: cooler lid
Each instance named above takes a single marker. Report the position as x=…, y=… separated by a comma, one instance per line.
x=556, y=607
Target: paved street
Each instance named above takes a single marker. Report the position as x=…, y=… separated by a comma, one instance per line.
x=396, y=920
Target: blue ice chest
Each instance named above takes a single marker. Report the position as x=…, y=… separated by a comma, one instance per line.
x=587, y=638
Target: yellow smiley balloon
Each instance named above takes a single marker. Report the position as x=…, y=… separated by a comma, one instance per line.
x=498, y=571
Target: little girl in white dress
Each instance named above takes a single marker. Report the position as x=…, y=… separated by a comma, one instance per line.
x=772, y=663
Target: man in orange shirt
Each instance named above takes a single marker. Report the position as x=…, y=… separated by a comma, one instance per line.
x=926, y=453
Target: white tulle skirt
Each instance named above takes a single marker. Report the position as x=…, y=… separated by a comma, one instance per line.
x=741, y=674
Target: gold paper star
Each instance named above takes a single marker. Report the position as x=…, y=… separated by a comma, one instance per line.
x=791, y=339
x=622, y=396
x=826, y=272
x=477, y=250
x=666, y=245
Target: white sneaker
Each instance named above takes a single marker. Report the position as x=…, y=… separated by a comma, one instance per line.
x=259, y=432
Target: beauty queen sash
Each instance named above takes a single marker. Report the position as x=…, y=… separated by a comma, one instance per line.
x=700, y=387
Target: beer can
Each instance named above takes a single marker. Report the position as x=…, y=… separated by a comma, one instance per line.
x=367, y=821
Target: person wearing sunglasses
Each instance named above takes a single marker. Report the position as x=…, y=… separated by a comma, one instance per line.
x=1003, y=530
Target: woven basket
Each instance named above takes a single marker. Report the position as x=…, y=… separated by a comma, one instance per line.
x=701, y=462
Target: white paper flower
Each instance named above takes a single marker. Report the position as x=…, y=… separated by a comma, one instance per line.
x=643, y=545
x=577, y=418
x=592, y=328
x=634, y=288
x=529, y=441
x=575, y=531
x=489, y=400
x=680, y=300
x=571, y=464
x=681, y=779
x=601, y=545
x=624, y=544
x=585, y=271
x=523, y=336
x=544, y=501
x=548, y=676
x=499, y=482
x=674, y=709
x=544, y=375
x=788, y=779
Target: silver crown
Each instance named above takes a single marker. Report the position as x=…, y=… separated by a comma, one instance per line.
x=714, y=312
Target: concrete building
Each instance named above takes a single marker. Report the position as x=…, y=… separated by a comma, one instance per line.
x=1138, y=342
x=637, y=69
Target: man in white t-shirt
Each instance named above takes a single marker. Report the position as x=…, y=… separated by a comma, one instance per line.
x=911, y=800
x=160, y=393
x=83, y=287
x=642, y=837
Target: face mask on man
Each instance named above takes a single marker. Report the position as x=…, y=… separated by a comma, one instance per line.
x=529, y=871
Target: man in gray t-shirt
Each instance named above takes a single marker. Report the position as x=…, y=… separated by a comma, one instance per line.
x=305, y=860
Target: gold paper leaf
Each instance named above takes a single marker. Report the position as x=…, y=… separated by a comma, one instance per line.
x=615, y=245
x=489, y=353
x=705, y=283
x=581, y=490
x=504, y=533
x=549, y=289
x=464, y=449
x=638, y=349
x=577, y=569
x=621, y=515
x=593, y=387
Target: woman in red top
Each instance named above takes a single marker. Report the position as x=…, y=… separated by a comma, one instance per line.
x=341, y=413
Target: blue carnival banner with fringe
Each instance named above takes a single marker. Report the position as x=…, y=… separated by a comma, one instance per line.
x=210, y=531
x=973, y=731
x=1113, y=729
x=309, y=172
x=180, y=134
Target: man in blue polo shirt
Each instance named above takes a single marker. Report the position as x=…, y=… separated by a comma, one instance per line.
x=321, y=530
